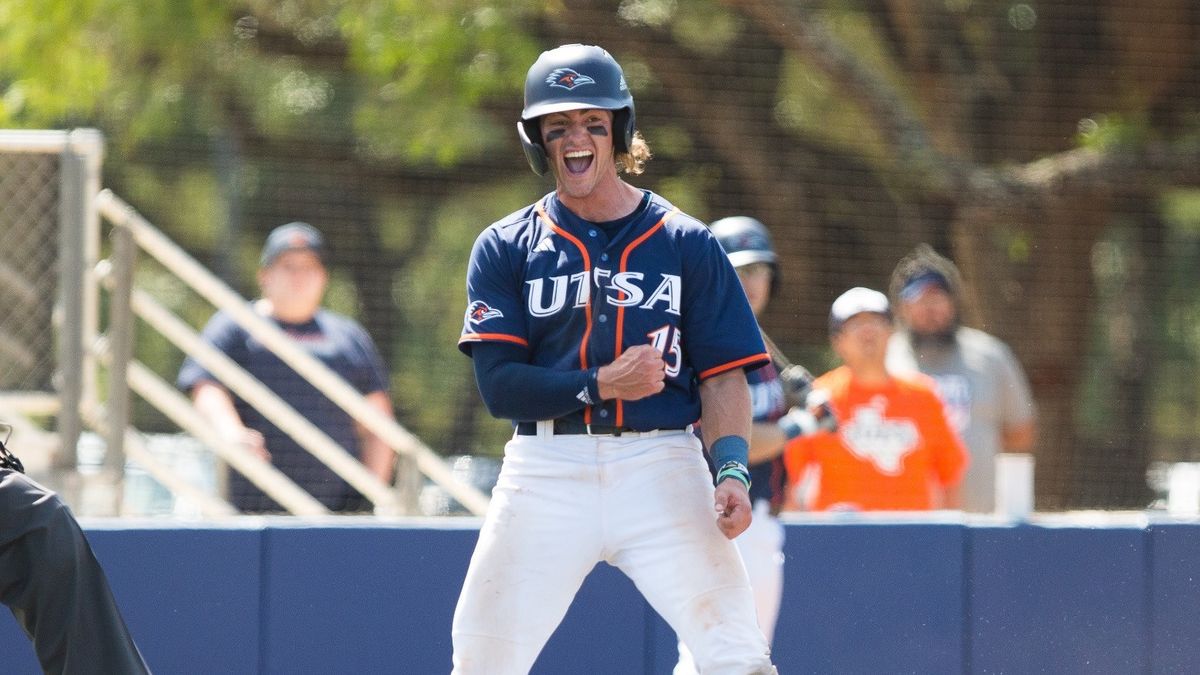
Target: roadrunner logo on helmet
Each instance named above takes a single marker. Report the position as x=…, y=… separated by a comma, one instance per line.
x=574, y=77
x=567, y=79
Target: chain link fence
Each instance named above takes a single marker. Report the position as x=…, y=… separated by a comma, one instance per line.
x=29, y=197
x=852, y=130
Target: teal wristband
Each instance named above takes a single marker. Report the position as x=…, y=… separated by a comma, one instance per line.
x=730, y=449
x=736, y=470
x=730, y=455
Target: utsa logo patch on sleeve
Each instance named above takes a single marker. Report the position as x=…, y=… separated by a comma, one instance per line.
x=479, y=311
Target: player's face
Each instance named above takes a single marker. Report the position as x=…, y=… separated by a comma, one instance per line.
x=294, y=284
x=756, y=280
x=579, y=146
x=863, y=339
x=930, y=313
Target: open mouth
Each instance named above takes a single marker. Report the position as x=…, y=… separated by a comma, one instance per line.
x=578, y=161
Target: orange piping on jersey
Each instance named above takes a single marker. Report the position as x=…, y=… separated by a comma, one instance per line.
x=717, y=370
x=621, y=310
x=587, y=268
x=497, y=337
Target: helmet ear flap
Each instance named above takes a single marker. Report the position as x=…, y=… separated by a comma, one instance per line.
x=623, y=128
x=531, y=143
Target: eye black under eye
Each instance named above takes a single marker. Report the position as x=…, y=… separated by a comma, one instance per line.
x=555, y=134
x=597, y=130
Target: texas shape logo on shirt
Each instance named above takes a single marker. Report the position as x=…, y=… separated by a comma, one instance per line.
x=882, y=441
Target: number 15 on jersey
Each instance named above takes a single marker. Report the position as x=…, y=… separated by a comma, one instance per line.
x=666, y=340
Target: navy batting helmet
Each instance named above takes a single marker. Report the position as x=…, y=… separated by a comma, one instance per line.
x=574, y=77
x=746, y=241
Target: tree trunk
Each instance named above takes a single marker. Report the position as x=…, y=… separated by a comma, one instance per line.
x=1028, y=273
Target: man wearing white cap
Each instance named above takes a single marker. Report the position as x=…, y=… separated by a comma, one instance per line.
x=894, y=448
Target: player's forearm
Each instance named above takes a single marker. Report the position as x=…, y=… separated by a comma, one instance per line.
x=520, y=391
x=725, y=421
x=725, y=406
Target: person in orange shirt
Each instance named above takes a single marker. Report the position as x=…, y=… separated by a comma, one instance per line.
x=894, y=449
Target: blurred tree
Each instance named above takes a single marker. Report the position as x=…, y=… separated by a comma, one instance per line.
x=226, y=119
x=1011, y=135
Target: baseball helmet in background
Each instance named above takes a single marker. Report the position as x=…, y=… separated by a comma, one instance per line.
x=746, y=241
x=574, y=77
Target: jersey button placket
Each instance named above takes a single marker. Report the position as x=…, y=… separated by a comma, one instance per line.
x=602, y=315
x=601, y=309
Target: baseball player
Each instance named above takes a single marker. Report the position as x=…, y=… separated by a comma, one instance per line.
x=605, y=323
x=53, y=584
x=748, y=245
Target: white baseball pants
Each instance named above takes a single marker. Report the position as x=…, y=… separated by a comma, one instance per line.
x=641, y=502
x=761, y=548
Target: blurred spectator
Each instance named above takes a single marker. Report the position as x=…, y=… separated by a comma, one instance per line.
x=893, y=449
x=748, y=245
x=293, y=278
x=985, y=390
x=53, y=584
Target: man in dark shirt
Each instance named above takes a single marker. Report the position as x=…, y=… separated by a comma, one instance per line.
x=293, y=278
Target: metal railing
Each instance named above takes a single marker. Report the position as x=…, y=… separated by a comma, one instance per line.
x=142, y=305
x=79, y=207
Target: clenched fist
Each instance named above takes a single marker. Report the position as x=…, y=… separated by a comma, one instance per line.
x=732, y=503
x=636, y=374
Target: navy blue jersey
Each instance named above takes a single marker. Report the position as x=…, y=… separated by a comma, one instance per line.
x=545, y=279
x=767, y=404
x=342, y=345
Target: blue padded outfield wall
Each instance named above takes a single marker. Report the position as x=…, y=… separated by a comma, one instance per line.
x=358, y=595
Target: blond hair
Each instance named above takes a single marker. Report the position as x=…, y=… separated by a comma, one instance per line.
x=633, y=162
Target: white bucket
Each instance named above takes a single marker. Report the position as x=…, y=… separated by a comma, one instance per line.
x=1014, y=485
x=1183, y=489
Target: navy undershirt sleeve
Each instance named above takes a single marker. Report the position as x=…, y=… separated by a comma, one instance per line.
x=514, y=389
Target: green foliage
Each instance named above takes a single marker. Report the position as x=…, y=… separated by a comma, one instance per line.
x=818, y=107
x=1105, y=132
x=814, y=105
x=1163, y=316
x=431, y=295
x=1176, y=396
x=688, y=188
x=707, y=27
x=219, y=115
x=136, y=67
x=410, y=86
x=425, y=69
x=1181, y=209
